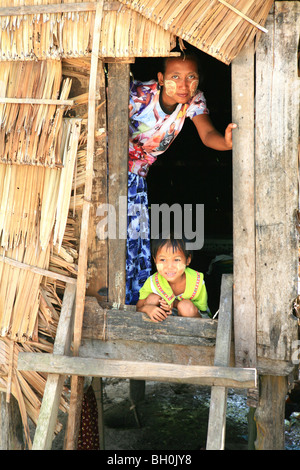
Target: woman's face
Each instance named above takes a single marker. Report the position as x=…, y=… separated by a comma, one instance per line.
x=179, y=82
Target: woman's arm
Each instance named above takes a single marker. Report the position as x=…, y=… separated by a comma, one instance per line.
x=209, y=134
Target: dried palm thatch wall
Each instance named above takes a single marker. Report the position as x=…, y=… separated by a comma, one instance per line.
x=37, y=163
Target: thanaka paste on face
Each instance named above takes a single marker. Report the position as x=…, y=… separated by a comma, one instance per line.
x=178, y=267
x=171, y=87
x=194, y=86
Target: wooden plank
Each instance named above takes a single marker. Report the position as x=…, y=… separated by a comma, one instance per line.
x=55, y=8
x=77, y=383
x=112, y=324
x=218, y=402
x=269, y=415
x=276, y=173
x=244, y=300
x=44, y=433
x=97, y=247
x=35, y=269
x=139, y=370
x=37, y=101
x=150, y=352
x=117, y=113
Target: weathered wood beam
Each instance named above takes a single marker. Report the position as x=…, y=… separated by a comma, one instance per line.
x=112, y=324
x=150, y=352
x=44, y=433
x=218, y=401
x=37, y=101
x=244, y=299
x=269, y=415
x=117, y=113
x=138, y=370
x=36, y=270
x=56, y=8
x=276, y=182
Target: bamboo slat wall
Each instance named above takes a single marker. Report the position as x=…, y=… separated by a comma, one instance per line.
x=124, y=33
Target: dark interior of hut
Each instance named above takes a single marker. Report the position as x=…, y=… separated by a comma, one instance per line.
x=190, y=173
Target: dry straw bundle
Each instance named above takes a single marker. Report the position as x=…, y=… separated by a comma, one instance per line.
x=126, y=33
x=57, y=33
x=28, y=387
x=27, y=230
x=42, y=34
x=30, y=307
x=34, y=199
x=28, y=132
x=36, y=233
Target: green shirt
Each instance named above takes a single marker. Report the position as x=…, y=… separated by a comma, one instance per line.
x=195, y=289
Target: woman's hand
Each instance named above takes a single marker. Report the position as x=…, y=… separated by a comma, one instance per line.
x=228, y=134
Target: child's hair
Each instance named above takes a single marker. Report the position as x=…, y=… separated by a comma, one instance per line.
x=176, y=242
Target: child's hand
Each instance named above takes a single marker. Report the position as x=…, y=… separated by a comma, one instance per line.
x=155, y=313
x=165, y=306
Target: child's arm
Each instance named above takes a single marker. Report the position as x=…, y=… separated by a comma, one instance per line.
x=155, y=313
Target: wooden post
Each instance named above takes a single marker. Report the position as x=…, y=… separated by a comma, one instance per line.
x=269, y=415
x=11, y=429
x=48, y=413
x=218, y=402
x=276, y=195
x=118, y=100
x=243, y=209
x=276, y=182
x=97, y=246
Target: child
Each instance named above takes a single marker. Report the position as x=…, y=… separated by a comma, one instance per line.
x=174, y=285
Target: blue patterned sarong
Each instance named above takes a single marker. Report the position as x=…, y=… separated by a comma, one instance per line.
x=138, y=258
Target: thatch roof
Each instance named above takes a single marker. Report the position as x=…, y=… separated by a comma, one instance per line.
x=218, y=27
x=130, y=28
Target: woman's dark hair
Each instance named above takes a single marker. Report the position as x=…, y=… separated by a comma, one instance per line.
x=172, y=240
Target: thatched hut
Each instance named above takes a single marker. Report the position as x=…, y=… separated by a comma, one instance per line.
x=64, y=133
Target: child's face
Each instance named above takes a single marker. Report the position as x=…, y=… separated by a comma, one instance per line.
x=180, y=81
x=171, y=264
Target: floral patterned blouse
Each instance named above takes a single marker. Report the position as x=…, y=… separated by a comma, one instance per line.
x=151, y=130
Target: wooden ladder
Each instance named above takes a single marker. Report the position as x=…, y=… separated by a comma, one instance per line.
x=58, y=365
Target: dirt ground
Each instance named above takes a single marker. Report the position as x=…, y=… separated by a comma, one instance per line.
x=173, y=417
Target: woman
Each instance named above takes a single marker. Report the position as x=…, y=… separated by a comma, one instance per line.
x=157, y=113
